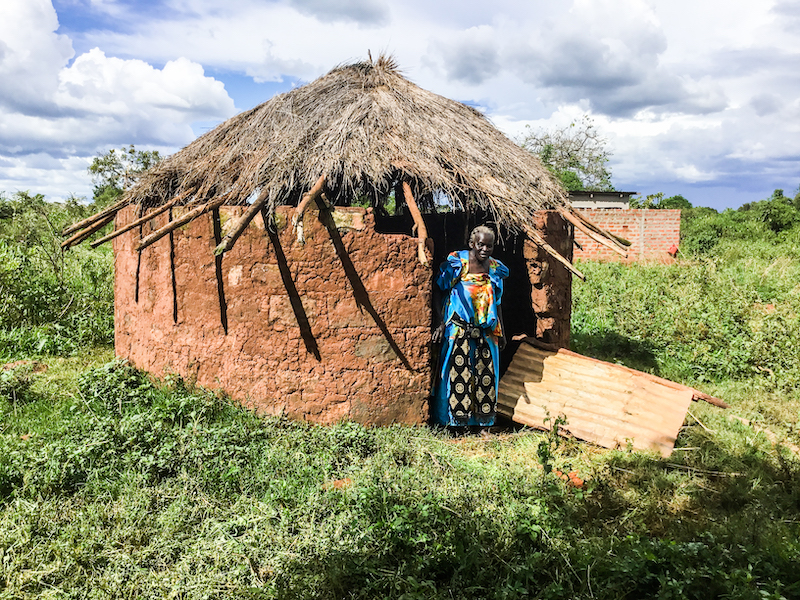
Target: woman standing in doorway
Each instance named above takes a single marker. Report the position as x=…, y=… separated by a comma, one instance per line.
x=467, y=297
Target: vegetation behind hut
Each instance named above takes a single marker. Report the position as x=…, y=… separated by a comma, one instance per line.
x=51, y=302
x=577, y=154
x=115, y=171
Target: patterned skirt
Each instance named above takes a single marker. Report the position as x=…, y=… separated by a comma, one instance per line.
x=466, y=389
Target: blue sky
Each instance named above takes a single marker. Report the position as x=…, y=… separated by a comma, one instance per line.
x=695, y=98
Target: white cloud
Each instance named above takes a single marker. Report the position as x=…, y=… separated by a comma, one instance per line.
x=55, y=178
x=101, y=85
x=367, y=12
x=688, y=92
x=31, y=54
x=69, y=113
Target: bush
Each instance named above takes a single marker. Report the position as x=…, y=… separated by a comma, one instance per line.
x=710, y=320
x=15, y=381
x=51, y=302
x=772, y=220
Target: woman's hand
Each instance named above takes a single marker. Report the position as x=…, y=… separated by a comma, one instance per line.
x=438, y=334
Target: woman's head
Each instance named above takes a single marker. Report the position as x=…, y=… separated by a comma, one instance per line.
x=481, y=242
x=481, y=229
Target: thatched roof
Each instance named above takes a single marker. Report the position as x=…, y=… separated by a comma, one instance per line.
x=361, y=125
x=364, y=128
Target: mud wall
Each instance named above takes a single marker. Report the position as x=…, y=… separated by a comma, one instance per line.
x=336, y=327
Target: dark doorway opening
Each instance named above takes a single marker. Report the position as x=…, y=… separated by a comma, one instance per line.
x=450, y=232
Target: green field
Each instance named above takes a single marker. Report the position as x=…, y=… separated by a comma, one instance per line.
x=112, y=487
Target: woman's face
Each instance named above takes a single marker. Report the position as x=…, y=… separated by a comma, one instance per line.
x=482, y=246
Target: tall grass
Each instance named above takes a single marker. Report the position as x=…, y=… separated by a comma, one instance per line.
x=725, y=320
x=45, y=314
x=51, y=302
x=703, y=320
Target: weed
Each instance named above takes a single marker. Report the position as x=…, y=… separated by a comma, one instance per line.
x=170, y=489
x=16, y=380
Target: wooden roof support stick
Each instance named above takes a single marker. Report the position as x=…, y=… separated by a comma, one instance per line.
x=308, y=197
x=230, y=238
x=698, y=395
x=422, y=231
x=595, y=236
x=141, y=221
x=82, y=235
x=111, y=210
x=539, y=241
x=622, y=242
x=180, y=221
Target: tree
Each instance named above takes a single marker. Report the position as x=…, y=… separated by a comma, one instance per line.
x=32, y=224
x=777, y=212
x=576, y=154
x=657, y=200
x=676, y=201
x=117, y=170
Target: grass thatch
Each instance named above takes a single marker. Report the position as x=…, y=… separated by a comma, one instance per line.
x=365, y=129
x=364, y=126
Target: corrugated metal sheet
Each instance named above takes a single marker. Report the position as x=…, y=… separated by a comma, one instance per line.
x=607, y=404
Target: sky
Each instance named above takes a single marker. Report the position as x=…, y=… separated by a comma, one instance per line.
x=695, y=97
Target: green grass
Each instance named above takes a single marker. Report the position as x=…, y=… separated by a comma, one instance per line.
x=113, y=487
x=52, y=303
x=727, y=323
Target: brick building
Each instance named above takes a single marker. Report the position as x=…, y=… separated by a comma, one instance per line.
x=652, y=232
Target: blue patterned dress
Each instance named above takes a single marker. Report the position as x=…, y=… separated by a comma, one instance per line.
x=465, y=392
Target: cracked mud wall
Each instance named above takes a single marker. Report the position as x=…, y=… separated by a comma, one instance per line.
x=363, y=353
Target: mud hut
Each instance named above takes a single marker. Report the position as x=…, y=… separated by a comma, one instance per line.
x=287, y=255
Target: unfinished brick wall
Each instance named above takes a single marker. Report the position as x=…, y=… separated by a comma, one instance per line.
x=335, y=328
x=650, y=231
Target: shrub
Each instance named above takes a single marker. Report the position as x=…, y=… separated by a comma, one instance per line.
x=51, y=302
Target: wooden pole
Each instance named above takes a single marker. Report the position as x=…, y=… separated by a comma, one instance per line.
x=230, y=238
x=111, y=210
x=595, y=236
x=189, y=216
x=422, y=230
x=82, y=235
x=622, y=242
x=539, y=241
x=698, y=395
x=308, y=197
x=153, y=213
